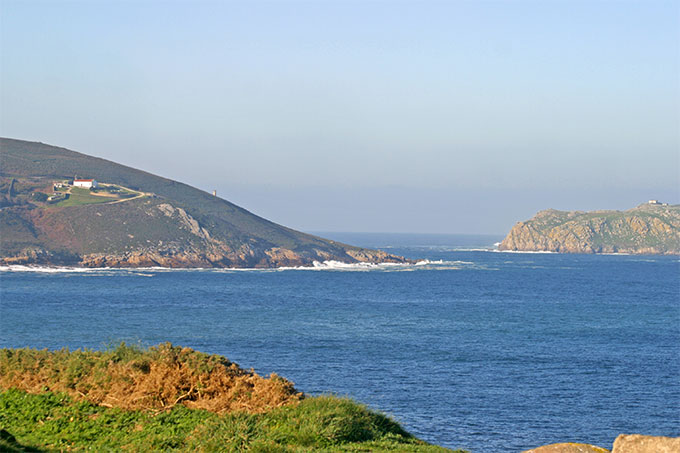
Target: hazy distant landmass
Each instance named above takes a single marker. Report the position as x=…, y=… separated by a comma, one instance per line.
x=136, y=219
x=651, y=228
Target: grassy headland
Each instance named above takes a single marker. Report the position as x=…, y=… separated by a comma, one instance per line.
x=172, y=398
x=79, y=196
x=164, y=222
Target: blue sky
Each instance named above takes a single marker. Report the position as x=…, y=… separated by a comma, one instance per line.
x=420, y=116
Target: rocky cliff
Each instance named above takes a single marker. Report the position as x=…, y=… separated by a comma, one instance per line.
x=141, y=220
x=646, y=229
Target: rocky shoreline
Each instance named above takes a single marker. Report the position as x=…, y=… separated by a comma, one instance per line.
x=270, y=259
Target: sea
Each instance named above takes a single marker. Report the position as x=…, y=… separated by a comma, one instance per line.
x=469, y=348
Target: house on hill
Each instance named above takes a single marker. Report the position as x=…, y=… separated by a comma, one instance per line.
x=86, y=183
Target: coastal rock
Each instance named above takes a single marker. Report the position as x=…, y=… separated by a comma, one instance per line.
x=220, y=258
x=375, y=256
x=638, y=443
x=35, y=256
x=646, y=229
x=568, y=447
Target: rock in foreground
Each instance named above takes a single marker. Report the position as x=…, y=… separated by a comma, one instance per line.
x=637, y=443
x=568, y=447
x=624, y=443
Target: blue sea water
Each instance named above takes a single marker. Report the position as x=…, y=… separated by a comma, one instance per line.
x=474, y=349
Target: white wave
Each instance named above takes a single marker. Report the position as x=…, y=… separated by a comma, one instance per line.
x=330, y=265
x=441, y=262
x=339, y=265
x=98, y=271
x=523, y=251
x=428, y=262
x=50, y=270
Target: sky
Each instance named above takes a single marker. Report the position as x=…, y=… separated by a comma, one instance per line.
x=366, y=116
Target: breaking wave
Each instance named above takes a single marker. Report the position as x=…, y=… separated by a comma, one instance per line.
x=316, y=266
x=103, y=271
x=51, y=270
x=524, y=251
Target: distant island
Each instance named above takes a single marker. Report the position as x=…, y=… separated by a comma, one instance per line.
x=651, y=228
x=60, y=207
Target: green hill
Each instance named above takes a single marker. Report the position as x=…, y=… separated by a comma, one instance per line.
x=146, y=220
x=651, y=228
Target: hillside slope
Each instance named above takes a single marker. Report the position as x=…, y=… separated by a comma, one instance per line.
x=166, y=223
x=646, y=229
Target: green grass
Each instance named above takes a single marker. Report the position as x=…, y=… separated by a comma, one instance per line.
x=54, y=421
x=117, y=190
x=80, y=196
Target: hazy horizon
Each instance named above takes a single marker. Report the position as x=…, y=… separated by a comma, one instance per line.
x=421, y=117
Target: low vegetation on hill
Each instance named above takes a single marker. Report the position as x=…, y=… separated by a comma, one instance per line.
x=651, y=228
x=169, y=398
x=171, y=225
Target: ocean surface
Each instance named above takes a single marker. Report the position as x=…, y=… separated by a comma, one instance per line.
x=470, y=348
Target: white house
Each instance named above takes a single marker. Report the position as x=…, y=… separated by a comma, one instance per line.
x=86, y=183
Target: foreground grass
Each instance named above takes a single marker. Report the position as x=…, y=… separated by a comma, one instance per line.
x=169, y=398
x=156, y=378
x=54, y=421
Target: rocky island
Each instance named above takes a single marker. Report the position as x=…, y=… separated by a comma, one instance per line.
x=651, y=228
x=60, y=207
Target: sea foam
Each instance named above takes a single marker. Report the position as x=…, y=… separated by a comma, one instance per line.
x=523, y=251
x=329, y=265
